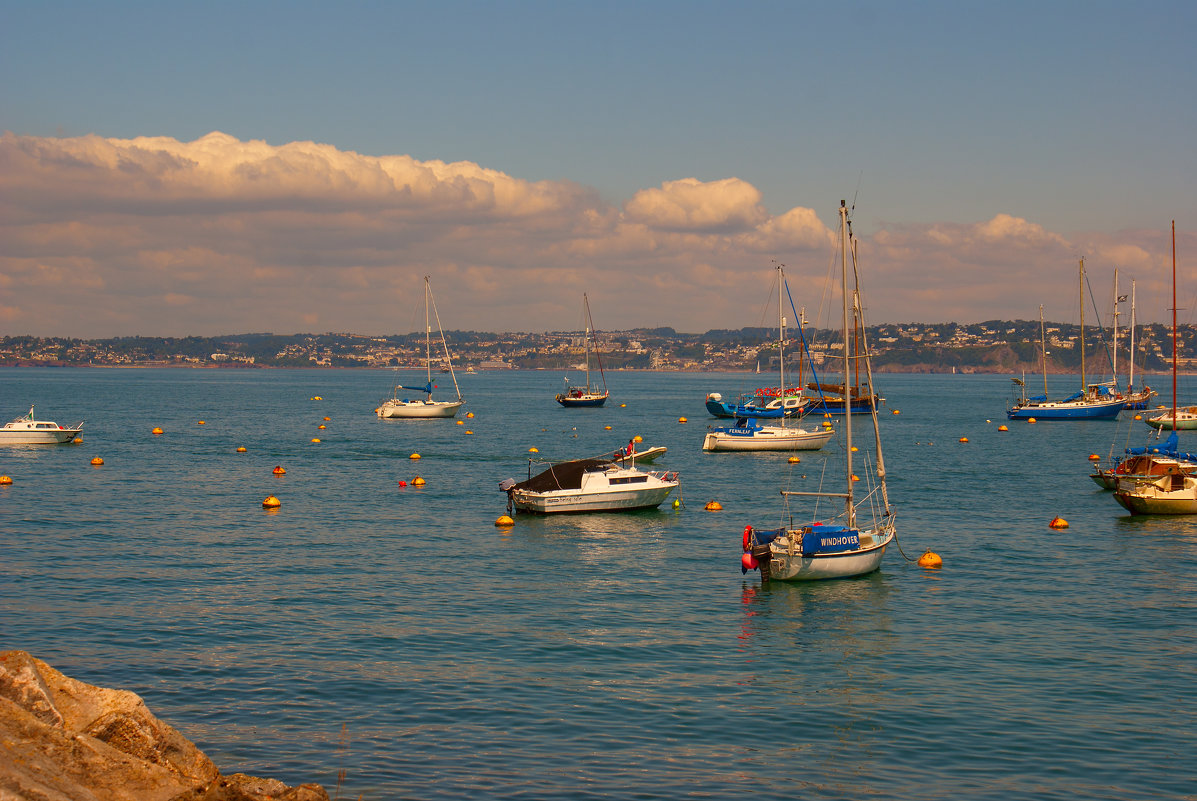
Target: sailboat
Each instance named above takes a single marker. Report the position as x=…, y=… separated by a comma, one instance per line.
x=401, y=407
x=1161, y=480
x=1135, y=399
x=748, y=434
x=843, y=544
x=587, y=395
x=1093, y=402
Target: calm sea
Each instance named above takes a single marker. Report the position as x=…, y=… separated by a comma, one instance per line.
x=394, y=636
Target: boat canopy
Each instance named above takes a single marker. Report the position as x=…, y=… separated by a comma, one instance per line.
x=567, y=475
x=1169, y=447
x=426, y=389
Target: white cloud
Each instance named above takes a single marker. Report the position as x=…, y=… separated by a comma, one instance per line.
x=157, y=236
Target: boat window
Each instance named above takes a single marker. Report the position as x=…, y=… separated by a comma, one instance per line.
x=629, y=480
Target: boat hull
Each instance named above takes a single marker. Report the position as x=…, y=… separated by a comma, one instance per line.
x=47, y=436
x=574, y=501
x=581, y=401
x=400, y=410
x=1062, y=410
x=648, y=455
x=817, y=567
x=1186, y=420
x=766, y=438
x=1160, y=503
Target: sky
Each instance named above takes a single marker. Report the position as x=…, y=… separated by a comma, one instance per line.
x=172, y=169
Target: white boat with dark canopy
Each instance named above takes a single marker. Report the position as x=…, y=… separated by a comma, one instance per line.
x=835, y=544
x=25, y=430
x=400, y=407
x=589, y=485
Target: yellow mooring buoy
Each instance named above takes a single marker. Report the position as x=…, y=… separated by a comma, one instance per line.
x=271, y=502
x=97, y=461
x=682, y=420
x=241, y=449
x=930, y=560
x=418, y=482
x=504, y=520
x=713, y=506
x=5, y=480
x=1058, y=522
x=279, y=470
x=414, y=456
x=156, y=431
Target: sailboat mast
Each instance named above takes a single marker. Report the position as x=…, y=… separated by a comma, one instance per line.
x=1114, y=360
x=586, y=338
x=1174, y=325
x=1082, y=295
x=781, y=333
x=850, y=507
x=1043, y=350
x=1131, y=348
x=427, y=334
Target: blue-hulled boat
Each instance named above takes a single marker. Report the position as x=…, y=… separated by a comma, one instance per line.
x=1092, y=402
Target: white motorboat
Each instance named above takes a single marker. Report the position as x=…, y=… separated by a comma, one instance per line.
x=25, y=430
x=589, y=485
x=839, y=544
x=399, y=407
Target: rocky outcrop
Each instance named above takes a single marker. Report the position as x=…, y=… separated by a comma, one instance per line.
x=63, y=740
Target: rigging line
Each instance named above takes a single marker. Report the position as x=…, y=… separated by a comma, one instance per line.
x=1101, y=331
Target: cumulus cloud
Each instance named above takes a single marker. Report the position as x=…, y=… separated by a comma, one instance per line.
x=153, y=235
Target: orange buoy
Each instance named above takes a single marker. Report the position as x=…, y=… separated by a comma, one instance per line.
x=97, y=461
x=1093, y=457
x=964, y=439
x=156, y=431
x=623, y=405
x=461, y=422
x=1002, y=428
x=468, y=431
x=713, y=506
x=1058, y=522
x=315, y=439
x=279, y=470
x=826, y=424
x=418, y=482
x=637, y=438
x=241, y=449
x=414, y=456
x=855, y=449
x=271, y=502
x=606, y=428
x=533, y=450
x=681, y=420
x=402, y=483
x=895, y=411
x=328, y=418
x=1138, y=417
x=930, y=560
x=1032, y=420
x=77, y=440
x=201, y=423
x=504, y=520
x=322, y=426
x=469, y=414
x=5, y=480
x=855, y=477
x=794, y=460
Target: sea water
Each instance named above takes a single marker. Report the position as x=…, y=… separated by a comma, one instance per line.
x=389, y=641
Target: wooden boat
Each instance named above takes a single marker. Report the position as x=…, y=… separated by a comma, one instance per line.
x=841, y=544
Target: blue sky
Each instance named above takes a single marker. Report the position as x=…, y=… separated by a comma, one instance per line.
x=938, y=118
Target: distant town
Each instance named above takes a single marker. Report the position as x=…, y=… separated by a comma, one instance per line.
x=989, y=347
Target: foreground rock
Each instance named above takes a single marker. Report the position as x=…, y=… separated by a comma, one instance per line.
x=63, y=740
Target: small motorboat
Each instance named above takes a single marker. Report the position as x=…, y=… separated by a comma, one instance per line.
x=27, y=431
x=589, y=485
x=646, y=455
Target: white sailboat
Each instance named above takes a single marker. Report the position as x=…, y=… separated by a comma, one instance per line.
x=400, y=407
x=841, y=544
x=750, y=435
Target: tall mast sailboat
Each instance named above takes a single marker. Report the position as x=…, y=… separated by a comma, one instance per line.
x=587, y=395
x=748, y=434
x=849, y=542
x=400, y=407
x=1092, y=402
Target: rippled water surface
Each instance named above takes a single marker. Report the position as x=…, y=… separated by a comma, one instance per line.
x=395, y=635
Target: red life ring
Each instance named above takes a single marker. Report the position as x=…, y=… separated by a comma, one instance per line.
x=747, y=536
